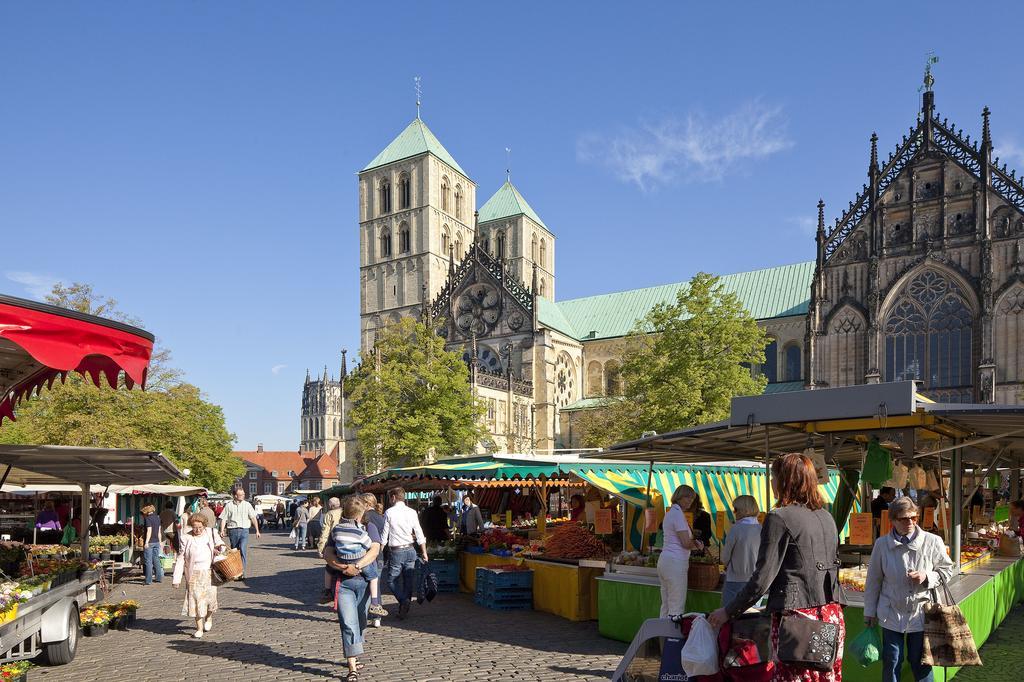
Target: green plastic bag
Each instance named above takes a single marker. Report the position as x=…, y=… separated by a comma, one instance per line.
x=69, y=535
x=867, y=647
x=877, y=464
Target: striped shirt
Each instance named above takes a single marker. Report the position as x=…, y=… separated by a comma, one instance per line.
x=351, y=542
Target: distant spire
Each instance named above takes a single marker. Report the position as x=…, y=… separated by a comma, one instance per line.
x=534, y=283
x=821, y=217
x=476, y=228
x=874, y=150
x=508, y=164
x=344, y=364
x=986, y=135
x=451, y=260
x=419, y=94
x=325, y=373
x=307, y=375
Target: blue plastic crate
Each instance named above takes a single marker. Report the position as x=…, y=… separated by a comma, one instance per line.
x=504, y=578
x=523, y=606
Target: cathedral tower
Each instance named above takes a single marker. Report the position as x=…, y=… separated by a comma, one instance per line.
x=415, y=212
x=323, y=419
x=511, y=231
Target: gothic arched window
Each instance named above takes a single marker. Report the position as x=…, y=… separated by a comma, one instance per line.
x=499, y=245
x=543, y=252
x=385, y=196
x=533, y=248
x=541, y=287
x=385, y=242
x=458, y=247
x=404, y=191
x=929, y=334
x=445, y=191
x=595, y=380
x=458, y=201
x=1010, y=334
x=446, y=239
x=794, y=358
x=770, y=368
x=613, y=377
x=404, y=239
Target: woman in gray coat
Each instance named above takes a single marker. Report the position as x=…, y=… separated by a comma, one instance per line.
x=905, y=564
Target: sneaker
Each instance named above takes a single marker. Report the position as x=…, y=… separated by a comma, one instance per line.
x=208, y=623
x=375, y=623
x=378, y=610
x=198, y=634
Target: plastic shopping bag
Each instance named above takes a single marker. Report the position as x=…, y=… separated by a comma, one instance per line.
x=700, y=653
x=866, y=648
x=292, y=535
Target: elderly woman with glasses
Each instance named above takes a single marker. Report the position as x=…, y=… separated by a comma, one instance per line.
x=905, y=564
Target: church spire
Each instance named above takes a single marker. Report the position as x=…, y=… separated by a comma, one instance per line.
x=986, y=134
x=451, y=261
x=344, y=364
x=820, y=236
x=307, y=375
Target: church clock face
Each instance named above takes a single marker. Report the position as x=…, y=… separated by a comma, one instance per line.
x=565, y=380
x=477, y=310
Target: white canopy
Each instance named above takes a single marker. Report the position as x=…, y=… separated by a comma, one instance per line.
x=153, y=489
x=59, y=464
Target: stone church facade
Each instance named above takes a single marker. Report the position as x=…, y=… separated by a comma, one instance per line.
x=920, y=278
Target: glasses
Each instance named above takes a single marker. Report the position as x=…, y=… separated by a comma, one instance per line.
x=904, y=519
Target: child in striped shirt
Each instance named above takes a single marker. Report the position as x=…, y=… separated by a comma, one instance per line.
x=351, y=542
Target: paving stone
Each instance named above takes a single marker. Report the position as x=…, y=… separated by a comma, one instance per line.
x=270, y=628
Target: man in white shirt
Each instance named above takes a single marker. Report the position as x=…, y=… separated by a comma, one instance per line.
x=236, y=518
x=402, y=536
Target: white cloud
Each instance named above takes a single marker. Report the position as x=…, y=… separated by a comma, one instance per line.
x=276, y=369
x=693, y=148
x=36, y=285
x=1010, y=152
x=805, y=224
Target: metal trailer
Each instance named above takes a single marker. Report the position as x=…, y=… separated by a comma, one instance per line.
x=48, y=623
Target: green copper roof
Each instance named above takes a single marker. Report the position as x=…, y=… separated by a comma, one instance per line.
x=550, y=315
x=784, y=387
x=416, y=139
x=507, y=202
x=767, y=293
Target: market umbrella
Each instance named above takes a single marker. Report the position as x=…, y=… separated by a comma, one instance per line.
x=40, y=343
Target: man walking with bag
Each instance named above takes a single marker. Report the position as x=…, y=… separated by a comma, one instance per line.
x=402, y=536
x=236, y=519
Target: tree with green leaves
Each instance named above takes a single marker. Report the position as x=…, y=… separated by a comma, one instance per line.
x=411, y=399
x=682, y=365
x=170, y=416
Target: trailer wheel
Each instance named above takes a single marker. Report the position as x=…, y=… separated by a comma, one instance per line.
x=62, y=653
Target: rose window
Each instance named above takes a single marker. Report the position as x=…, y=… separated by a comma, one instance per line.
x=477, y=310
x=565, y=381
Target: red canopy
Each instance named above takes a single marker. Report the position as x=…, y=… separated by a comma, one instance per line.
x=39, y=343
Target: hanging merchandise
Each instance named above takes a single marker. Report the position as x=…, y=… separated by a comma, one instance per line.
x=933, y=482
x=820, y=467
x=917, y=478
x=900, y=474
x=877, y=464
x=995, y=481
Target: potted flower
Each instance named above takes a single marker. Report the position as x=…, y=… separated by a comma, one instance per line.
x=95, y=621
x=130, y=608
x=15, y=672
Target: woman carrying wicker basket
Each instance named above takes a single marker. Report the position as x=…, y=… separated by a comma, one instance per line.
x=195, y=561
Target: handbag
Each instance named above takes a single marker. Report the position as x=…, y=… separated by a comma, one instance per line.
x=807, y=642
x=947, y=636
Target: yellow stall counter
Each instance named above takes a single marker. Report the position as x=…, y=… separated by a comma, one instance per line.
x=561, y=589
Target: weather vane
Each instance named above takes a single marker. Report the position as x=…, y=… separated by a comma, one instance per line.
x=508, y=164
x=419, y=93
x=929, y=79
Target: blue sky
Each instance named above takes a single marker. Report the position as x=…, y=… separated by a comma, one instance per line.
x=196, y=161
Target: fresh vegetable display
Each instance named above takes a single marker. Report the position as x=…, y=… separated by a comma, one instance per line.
x=637, y=559
x=499, y=538
x=573, y=541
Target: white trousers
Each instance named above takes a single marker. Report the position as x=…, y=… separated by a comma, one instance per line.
x=673, y=573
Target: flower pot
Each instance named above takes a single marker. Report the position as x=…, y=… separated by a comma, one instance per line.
x=105, y=555
x=96, y=630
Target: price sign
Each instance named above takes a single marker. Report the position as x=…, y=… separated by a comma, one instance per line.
x=720, y=521
x=591, y=510
x=861, y=529
x=508, y=518
x=603, y=522
x=650, y=519
x=929, y=518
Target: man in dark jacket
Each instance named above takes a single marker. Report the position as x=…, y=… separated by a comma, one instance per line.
x=435, y=522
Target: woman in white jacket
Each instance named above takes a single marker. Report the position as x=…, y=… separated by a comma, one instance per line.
x=905, y=564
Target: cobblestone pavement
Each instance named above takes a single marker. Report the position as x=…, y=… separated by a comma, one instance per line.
x=269, y=628
x=1002, y=654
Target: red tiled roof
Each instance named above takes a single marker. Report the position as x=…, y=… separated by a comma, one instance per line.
x=325, y=466
x=281, y=461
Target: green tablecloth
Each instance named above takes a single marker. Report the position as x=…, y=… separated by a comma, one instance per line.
x=623, y=607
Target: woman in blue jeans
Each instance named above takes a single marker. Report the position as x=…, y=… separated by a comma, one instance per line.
x=906, y=564
x=353, y=597
x=152, y=546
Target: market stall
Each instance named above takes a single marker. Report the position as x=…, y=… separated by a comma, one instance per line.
x=841, y=425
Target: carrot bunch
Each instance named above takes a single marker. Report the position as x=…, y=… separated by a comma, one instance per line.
x=573, y=541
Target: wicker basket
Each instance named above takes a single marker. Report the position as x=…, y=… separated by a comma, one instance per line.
x=230, y=568
x=703, y=577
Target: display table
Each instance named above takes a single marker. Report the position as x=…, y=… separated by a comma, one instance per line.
x=565, y=590
x=985, y=594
